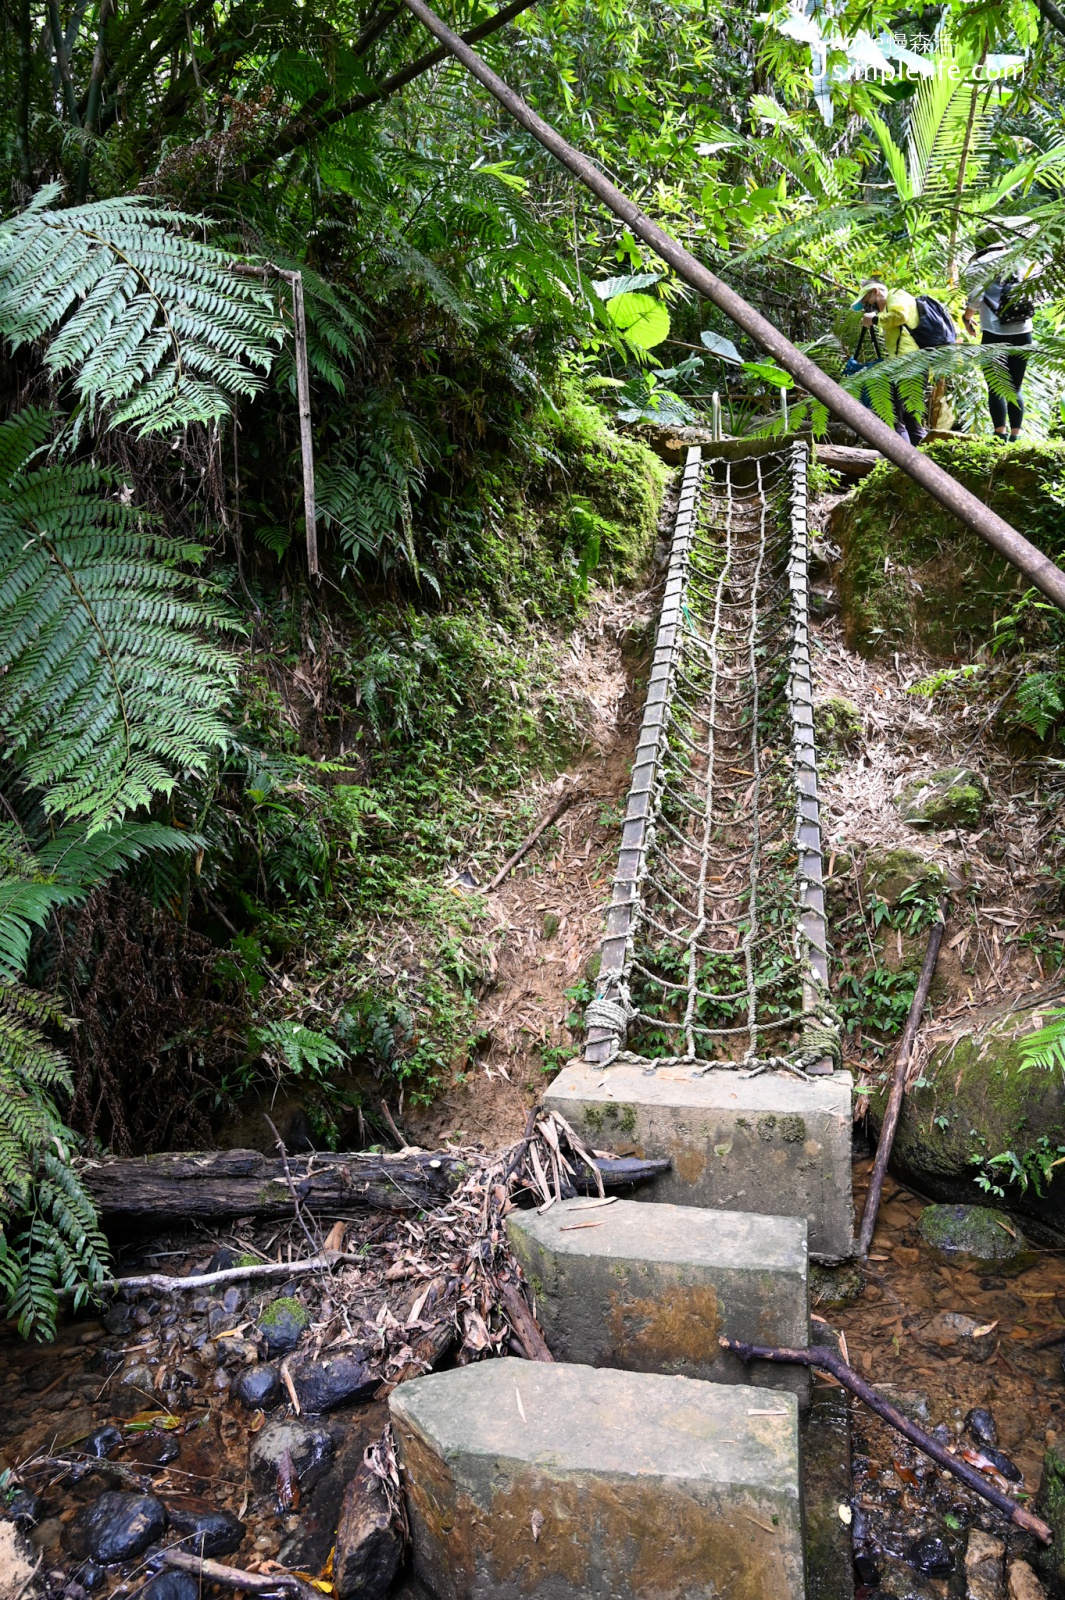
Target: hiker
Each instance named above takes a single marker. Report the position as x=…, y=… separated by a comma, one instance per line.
x=908, y=323
x=1003, y=299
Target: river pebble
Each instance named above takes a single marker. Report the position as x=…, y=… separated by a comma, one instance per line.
x=118, y=1526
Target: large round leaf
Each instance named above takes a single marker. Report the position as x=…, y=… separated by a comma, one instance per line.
x=642, y=321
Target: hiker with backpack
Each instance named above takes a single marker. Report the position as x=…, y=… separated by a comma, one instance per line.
x=1001, y=293
x=908, y=323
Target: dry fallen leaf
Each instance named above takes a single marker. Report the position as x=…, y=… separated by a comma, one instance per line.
x=537, y=1520
x=521, y=1408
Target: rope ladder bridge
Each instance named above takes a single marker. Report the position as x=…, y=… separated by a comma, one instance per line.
x=711, y=1037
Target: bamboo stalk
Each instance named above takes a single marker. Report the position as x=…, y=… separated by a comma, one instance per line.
x=1024, y=555
x=898, y=1084
x=826, y=1360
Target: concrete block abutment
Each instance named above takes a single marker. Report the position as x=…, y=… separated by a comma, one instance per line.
x=775, y=1144
x=561, y=1481
x=652, y=1288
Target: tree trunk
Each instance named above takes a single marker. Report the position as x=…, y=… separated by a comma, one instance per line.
x=25, y=80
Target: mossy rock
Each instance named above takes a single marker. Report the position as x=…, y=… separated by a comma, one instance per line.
x=978, y=1232
x=837, y=725
x=281, y=1323
x=835, y=1286
x=888, y=873
x=952, y=797
x=912, y=577
x=973, y=1102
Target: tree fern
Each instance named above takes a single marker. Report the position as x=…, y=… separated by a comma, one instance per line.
x=113, y=683
x=153, y=327
x=49, y=1235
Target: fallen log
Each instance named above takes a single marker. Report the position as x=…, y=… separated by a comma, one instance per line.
x=853, y=461
x=826, y=1360
x=211, y=1185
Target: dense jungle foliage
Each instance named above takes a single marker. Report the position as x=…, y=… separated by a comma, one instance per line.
x=227, y=782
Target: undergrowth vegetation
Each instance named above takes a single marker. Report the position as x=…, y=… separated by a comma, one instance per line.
x=246, y=807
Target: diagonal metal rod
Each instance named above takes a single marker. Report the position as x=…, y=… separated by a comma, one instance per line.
x=1019, y=551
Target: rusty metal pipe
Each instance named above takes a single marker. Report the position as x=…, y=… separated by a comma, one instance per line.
x=1019, y=551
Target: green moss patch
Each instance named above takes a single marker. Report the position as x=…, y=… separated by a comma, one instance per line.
x=953, y=797
x=913, y=577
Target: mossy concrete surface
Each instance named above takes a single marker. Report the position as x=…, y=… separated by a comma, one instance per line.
x=529, y=1479
x=827, y=1485
x=912, y=577
x=1050, y=1505
x=974, y=1102
x=776, y=1145
x=953, y=797
x=653, y=1288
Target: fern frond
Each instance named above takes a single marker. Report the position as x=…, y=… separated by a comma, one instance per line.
x=152, y=326
x=113, y=684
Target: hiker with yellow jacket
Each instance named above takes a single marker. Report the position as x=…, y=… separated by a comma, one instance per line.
x=895, y=314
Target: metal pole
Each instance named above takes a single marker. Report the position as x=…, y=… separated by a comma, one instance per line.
x=715, y=417
x=1036, y=567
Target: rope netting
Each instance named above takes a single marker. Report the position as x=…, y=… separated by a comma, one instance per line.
x=715, y=948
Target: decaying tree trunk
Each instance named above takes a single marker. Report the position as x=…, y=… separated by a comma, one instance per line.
x=210, y=1185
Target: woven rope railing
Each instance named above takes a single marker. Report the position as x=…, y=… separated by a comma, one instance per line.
x=715, y=949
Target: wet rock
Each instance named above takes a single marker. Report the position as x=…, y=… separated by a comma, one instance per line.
x=159, y=1449
x=931, y=1556
x=953, y=1330
x=102, y=1441
x=171, y=1585
x=206, y=1530
x=138, y=1376
x=985, y=1236
x=222, y=1260
x=1024, y=1585
x=116, y=1319
x=985, y=1561
x=24, y=1509
x=281, y=1323
x=867, y=1568
x=219, y=1319
x=311, y=1448
x=899, y=1581
x=233, y=1299
x=368, y=1547
x=952, y=797
x=258, y=1388
x=889, y=873
x=1003, y=1465
x=973, y=1100
x=835, y=1286
x=91, y=1576
x=343, y=1380
x=914, y=1404
x=118, y=1526
x=982, y=1426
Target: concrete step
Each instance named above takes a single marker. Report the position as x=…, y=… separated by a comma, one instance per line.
x=777, y=1144
x=651, y=1288
x=565, y=1482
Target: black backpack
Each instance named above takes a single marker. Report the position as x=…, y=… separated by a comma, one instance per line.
x=1015, y=303
x=935, y=325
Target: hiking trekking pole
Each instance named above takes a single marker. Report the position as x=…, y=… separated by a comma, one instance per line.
x=1019, y=551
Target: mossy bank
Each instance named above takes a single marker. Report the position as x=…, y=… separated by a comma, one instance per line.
x=913, y=577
